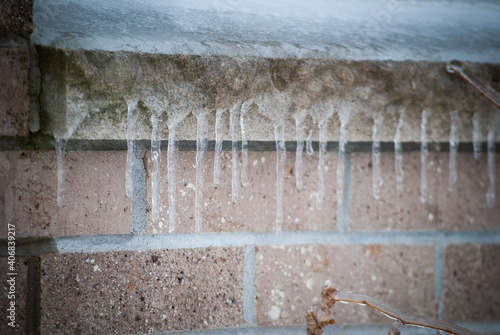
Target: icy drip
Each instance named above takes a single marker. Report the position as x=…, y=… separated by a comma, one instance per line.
x=323, y=131
x=244, y=143
x=299, y=129
x=131, y=130
x=279, y=136
x=218, y=145
x=172, y=158
x=341, y=158
x=376, y=176
x=233, y=125
x=490, y=196
x=452, y=178
x=398, y=150
x=309, y=146
x=424, y=152
x=60, y=152
x=201, y=150
x=155, y=176
x=476, y=134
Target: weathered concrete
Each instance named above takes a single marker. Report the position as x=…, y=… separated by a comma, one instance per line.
x=84, y=94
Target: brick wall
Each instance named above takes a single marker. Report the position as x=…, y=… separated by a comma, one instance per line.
x=99, y=265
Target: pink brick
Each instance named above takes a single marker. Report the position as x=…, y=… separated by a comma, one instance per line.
x=463, y=208
x=14, y=95
x=472, y=288
x=94, y=201
x=290, y=279
x=132, y=292
x=256, y=206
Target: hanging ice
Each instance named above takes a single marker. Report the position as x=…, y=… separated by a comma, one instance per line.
x=245, y=108
x=299, y=130
x=398, y=152
x=131, y=129
x=155, y=176
x=424, y=151
x=454, y=141
x=376, y=176
x=218, y=144
x=309, y=146
x=279, y=136
x=323, y=133
x=201, y=150
x=60, y=152
x=492, y=128
x=172, y=158
x=476, y=134
x=233, y=125
x=344, y=121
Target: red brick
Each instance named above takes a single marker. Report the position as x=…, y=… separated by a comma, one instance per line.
x=472, y=288
x=463, y=208
x=21, y=269
x=94, y=201
x=14, y=92
x=131, y=292
x=255, y=209
x=290, y=279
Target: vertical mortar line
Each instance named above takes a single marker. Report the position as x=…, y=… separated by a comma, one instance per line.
x=343, y=213
x=439, y=270
x=33, y=296
x=249, y=291
x=138, y=216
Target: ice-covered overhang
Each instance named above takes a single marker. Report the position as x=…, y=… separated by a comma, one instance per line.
x=434, y=31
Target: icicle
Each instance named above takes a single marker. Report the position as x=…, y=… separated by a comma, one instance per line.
x=279, y=136
x=344, y=121
x=155, y=177
x=131, y=128
x=309, y=146
x=299, y=129
x=452, y=178
x=172, y=158
x=398, y=151
x=218, y=145
x=476, y=134
x=244, y=143
x=376, y=176
x=490, y=196
x=424, y=151
x=233, y=125
x=201, y=150
x=323, y=132
x=60, y=152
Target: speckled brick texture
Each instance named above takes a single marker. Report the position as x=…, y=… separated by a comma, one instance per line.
x=94, y=200
x=255, y=209
x=464, y=207
x=14, y=87
x=132, y=292
x=472, y=286
x=290, y=279
x=20, y=290
x=16, y=16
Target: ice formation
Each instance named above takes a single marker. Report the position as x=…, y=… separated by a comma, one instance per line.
x=233, y=129
x=60, y=152
x=376, y=176
x=424, y=152
x=155, y=175
x=132, y=115
x=398, y=152
x=454, y=141
x=218, y=144
x=201, y=150
x=279, y=136
x=299, y=130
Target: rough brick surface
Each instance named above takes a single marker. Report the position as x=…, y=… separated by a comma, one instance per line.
x=14, y=87
x=463, y=208
x=16, y=16
x=130, y=292
x=94, y=199
x=21, y=269
x=255, y=209
x=471, y=283
x=290, y=279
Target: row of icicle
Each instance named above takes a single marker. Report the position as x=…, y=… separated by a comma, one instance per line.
x=237, y=118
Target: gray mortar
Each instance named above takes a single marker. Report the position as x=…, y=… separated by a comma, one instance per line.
x=84, y=93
